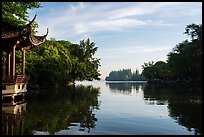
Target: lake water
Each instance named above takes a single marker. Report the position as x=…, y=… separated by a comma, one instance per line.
x=107, y=108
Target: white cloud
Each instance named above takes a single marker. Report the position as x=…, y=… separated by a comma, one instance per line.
x=79, y=6
x=105, y=25
x=155, y=49
x=130, y=51
x=83, y=18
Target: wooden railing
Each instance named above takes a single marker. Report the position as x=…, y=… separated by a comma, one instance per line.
x=10, y=79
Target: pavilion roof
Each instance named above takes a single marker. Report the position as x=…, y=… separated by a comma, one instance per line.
x=22, y=38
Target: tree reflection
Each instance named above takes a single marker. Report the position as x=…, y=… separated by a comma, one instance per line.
x=54, y=110
x=184, y=103
x=123, y=88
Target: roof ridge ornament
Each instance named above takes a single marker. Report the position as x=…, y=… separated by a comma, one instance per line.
x=27, y=39
x=32, y=20
x=46, y=33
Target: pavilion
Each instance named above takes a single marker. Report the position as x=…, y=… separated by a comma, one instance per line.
x=23, y=40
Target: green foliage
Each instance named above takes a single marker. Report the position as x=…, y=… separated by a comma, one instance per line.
x=124, y=75
x=50, y=63
x=184, y=63
x=85, y=66
x=185, y=60
x=60, y=62
x=15, y=14
x=194, y=30
x=148, y=64
x=159, y=70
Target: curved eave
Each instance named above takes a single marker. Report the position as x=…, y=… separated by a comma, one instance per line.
x=24, y=35
x=16, y=34
x=37, y=40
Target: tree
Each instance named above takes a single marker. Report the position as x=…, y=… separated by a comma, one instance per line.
x=179, y=62
x=59, y=62
x=124, y=75
x=148, y=64
x=194, y=30
x=49, y=64
x=89, y=49
x=184, y=63
x=85, y=66
x=15, y=14
x=161, y=70
x=185, y=60
x=148, y=70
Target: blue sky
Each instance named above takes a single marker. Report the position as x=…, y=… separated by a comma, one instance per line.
x=127, y=34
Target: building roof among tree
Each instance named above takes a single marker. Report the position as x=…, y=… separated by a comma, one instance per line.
x=22, y=38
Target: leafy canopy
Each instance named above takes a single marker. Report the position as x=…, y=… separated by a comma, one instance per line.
x=15, y=14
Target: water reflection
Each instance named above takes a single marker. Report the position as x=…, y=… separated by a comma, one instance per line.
x=51, y=111
x=184, y=102
x=124, y=87
x=13, y=117
x=71, y=110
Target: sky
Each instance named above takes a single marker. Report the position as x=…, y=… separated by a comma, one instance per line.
x=127, y=34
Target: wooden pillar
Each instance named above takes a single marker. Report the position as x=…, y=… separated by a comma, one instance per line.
x=14, y=60
x=9, y=64
x=23, y=61
x=3, y=67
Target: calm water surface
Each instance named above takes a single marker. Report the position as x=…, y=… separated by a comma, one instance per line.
x=107, y=108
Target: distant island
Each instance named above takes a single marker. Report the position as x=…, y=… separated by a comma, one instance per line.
x=125, y=75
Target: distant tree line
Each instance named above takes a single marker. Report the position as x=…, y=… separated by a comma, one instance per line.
x=125, y=75
x=184, y=63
